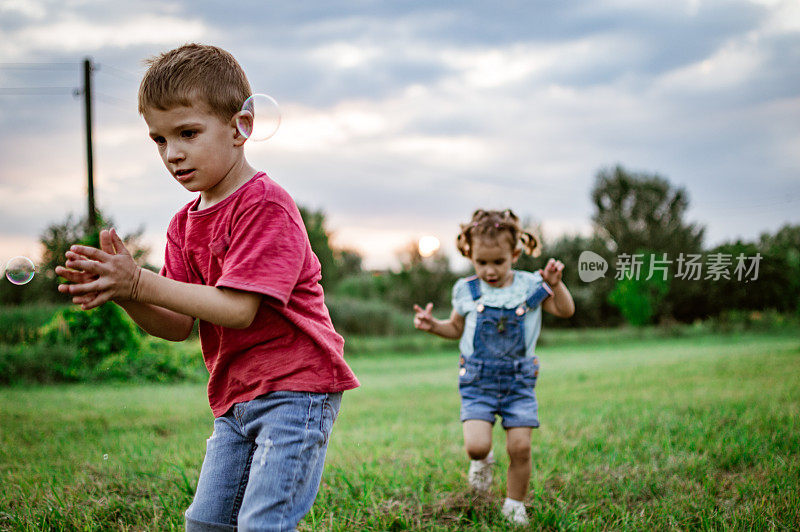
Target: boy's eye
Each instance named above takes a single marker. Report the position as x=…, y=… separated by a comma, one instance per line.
x=159, y=140
x=188, y=133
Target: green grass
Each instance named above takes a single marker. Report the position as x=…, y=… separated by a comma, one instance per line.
x=698, y=432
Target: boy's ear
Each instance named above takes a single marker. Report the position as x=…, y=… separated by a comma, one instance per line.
x=241, y=121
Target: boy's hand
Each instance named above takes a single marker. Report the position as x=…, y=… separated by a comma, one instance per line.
x=423, y=320
x=552, y=272
x=79, y=277
x=102, y=275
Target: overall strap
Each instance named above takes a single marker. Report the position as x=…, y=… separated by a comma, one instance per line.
x=474, y=285
x=540, y=294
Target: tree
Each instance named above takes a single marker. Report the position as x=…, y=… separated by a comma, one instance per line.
x=592, y=308
x=421, y=279
x=56, y=240
x=318, y=236
x=335, y=263
x=784, y=248
x=643, y=213
x=639, y=211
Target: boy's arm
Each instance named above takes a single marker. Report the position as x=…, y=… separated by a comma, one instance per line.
x=154, y=320
x=450, y=328
x=159, y=321
x=118, y=277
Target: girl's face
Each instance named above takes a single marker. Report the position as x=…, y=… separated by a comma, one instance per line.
x=493, y=259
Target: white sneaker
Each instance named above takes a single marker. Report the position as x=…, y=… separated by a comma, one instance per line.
x=480, y=473
x=514, y=511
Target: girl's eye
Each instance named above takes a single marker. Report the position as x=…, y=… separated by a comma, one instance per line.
x=499, y=261
x=188, y=133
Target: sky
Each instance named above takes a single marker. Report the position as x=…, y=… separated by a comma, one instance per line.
x=401, y=118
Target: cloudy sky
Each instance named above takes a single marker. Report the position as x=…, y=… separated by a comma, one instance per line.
x=400, y=118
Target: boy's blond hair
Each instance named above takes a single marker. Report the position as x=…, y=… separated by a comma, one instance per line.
x=192, y=73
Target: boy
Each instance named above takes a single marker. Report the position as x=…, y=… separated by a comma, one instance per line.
x=239, y=260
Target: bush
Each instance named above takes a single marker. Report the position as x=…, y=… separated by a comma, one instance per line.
x=365, y=285
x=753, y=320
x=41, y=363
x=98, y=333
x=155, y=360
x=22, y=323
x=99, y=345
x=368, y=316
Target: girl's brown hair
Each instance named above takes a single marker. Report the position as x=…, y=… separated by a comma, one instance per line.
x=494, y=225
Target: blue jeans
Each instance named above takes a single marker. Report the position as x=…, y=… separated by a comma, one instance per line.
x=264, y=463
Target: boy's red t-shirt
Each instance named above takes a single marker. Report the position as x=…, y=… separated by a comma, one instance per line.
x=255, y=240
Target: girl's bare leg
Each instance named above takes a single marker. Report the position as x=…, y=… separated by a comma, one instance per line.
x=518, y=445
x=477, y=438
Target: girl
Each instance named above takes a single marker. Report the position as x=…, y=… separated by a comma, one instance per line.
x=497, y=316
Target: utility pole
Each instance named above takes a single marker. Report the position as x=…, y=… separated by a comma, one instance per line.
x=87, y=104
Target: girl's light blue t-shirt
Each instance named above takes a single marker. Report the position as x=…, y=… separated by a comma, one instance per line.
x=512, y=296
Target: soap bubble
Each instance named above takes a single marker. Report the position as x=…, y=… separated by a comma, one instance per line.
x=105, y=457
x=260, y=119
x=20, y=270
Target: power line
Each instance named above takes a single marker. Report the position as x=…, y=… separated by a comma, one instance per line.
x=32, y=91
x=114, y=101
x=104, y=68
x=38, y=66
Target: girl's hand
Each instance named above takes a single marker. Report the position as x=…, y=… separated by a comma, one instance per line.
x=423, y=320
x=552, y=272
x=103, y=275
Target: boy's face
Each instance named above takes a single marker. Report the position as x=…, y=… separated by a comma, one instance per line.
x=493, y=259
x=197, y=147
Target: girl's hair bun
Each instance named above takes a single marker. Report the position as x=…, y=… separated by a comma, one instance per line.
x=493, y=224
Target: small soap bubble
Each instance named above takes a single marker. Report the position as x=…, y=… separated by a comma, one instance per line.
x=20, y=270
x=105, y=457
x=260, y=117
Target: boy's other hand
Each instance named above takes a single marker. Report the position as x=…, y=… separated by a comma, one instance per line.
x=104, y=274
x=423, y=320
x=552, y=272
x=79, y=277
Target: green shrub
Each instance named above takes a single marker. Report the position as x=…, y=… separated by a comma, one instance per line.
x=639, y=300
x=155, y=360
x=368, y=316
x=753, y=320
x=41, y=363
x=22, y=323
x=99, y=345
x=98, y=333
x=365, y=285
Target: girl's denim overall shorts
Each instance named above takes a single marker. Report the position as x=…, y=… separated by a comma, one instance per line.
x=497, y=379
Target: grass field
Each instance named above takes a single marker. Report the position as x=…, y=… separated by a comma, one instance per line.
x=684, y=433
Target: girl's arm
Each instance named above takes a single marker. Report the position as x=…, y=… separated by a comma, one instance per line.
x=450, y=328
x=560, y=303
